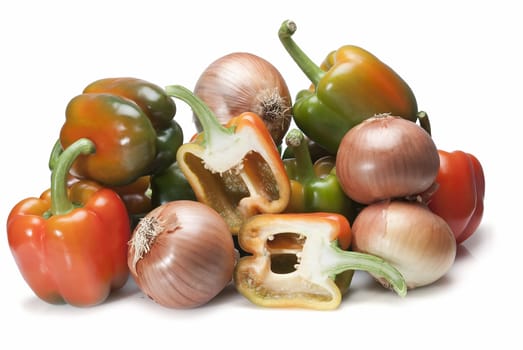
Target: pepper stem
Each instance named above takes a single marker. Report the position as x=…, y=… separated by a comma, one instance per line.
x=55, y=153
x=60, y=203
x=210, y=124
x=387, y=274
x=311, y=70
x=295, y=140
x=424, y=121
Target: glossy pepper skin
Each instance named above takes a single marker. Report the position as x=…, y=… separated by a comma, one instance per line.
x=170, y=185
x=295, y=259
x=352, y=86
x=235, y=168
x=70, y=244
x=131, y=123
x=136, y=198
x=314, y=187
x=460, y=192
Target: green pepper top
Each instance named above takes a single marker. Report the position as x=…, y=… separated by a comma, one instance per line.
x=350, y=86
x=314, y=186
x=131, y=124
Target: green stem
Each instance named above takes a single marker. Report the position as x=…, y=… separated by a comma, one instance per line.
x=344, y=260
x=55, y=153
x=311, y=70
x=295, y=140
x=210, y=124
x=60, y=203
x=424, y=121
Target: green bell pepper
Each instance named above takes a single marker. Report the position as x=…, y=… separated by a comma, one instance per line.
x=350, y=86
x=314, y=186
x=169, y=185
x=131, y=124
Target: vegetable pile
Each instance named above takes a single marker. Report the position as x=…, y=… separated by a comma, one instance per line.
x=286, y=213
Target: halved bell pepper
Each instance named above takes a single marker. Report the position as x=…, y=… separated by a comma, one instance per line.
x=235, y=168
x=460, y=192
x=70, y=244
x=131, y=123
x=314, y=187
x=356, y=86
x=296, y=258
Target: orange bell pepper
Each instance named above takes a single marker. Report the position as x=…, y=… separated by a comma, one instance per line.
x=70, y=244
x=235, y=169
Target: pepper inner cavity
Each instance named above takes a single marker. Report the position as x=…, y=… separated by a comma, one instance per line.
x=285, y=249
x=224, y=191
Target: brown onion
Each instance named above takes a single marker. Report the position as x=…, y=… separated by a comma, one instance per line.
x=243, y=82
x=182, y=254
x=407, y=235
x=386, y=157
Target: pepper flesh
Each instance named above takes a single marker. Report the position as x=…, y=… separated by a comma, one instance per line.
x=460, y=192
x=131, y=123
x=236, y=169
x=70, y=244
x=296, y=257
x=356, y=86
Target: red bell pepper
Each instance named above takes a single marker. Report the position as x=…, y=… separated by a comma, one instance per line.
x=460, y=191
x=70, y=244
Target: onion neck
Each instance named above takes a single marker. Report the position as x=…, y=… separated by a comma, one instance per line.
x=212, y=129
x=311, y=70
x=60, y=202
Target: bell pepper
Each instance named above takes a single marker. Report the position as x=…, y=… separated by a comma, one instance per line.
x=314, y=187
x=170, y=185
x=136, y=197
x=460, y=192
x=236, y=168
x=356, y=86
x=131, y=123
x=296, y=258
x=70, y=244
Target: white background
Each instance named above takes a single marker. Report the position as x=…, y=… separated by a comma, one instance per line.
x=463, y=61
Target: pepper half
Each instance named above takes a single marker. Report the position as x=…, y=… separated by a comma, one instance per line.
x=235, y=168
x=355, y=86
x=314, y=187
x=131, y=123
x=70, y=244
x=296, y=258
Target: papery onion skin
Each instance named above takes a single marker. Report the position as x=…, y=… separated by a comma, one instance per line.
x=243, y=82
x=191, y=259
x=386, y=157
x=417, y=242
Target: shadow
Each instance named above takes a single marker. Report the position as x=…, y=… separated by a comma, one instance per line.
x=479, y=239
x=35, y=304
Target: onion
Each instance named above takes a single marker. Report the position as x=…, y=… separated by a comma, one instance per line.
x=386, y=157
x=417, y=242
x=243, y=82
x=182, y=254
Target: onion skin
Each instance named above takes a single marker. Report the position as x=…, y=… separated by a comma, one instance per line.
x=243, y=82
x=191, y=259
x=386, y=157
x=417, y=242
